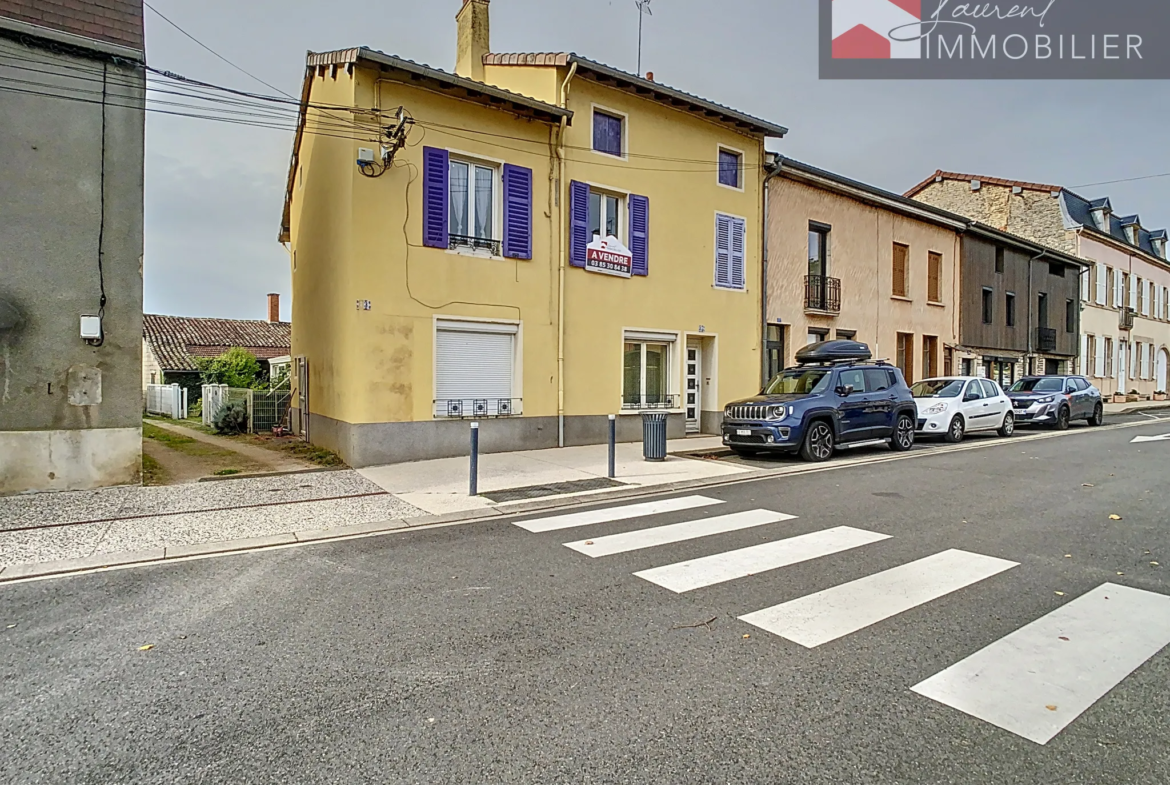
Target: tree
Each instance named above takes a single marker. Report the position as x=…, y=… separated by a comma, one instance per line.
x=236, y=368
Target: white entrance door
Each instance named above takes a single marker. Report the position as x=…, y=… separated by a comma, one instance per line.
x=693, y=390
x=1122, y=367
x=1160, y=370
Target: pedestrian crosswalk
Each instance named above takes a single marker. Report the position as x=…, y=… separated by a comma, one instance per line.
x=1033, y=682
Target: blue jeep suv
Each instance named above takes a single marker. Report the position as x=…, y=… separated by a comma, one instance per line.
x=832, y=399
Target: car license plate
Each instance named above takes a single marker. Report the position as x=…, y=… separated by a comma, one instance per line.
x=743, y=432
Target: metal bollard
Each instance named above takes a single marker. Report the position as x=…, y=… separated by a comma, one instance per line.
x=612, y=446
x=474, y=459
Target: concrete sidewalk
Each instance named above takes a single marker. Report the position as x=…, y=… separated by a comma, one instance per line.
x=441, y=486
x=1139, y=407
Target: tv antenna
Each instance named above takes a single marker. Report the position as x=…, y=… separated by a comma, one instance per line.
x=643, y=11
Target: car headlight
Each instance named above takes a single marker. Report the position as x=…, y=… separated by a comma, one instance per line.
x=1047, y=399
x=779, y=412
x=938, y=408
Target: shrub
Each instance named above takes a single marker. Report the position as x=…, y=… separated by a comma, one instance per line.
x=231, y=418
x=236, y=368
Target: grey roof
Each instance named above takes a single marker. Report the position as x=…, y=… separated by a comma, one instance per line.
x=1080, y=211
x=640, y=85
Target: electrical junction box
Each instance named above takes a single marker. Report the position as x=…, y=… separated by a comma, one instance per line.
x=366, y=155
x=91, y=328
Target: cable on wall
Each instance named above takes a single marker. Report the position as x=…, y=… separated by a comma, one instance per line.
x=102, y=223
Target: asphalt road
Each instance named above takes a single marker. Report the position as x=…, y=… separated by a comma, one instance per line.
x=486, y=653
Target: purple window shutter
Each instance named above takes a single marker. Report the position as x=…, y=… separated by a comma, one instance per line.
x=578, y=222
x=435, y=172
x=640, y=234
x=517, y=212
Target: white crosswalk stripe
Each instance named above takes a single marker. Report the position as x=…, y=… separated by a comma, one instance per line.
x=721, y=567
x=1040, y=678
x=677, y=532
x=818, y=618
x=609, y=514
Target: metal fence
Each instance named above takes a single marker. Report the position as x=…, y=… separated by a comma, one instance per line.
x=265, y=408
x=166, y=400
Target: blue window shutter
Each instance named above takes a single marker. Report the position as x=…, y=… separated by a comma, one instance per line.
x=578, y=222
x=517, y=212
x=435, y=172
x=722, y=250
x=640, y=234
x=738, y=245
x=607, y=133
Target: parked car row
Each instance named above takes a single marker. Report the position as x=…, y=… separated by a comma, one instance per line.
x=837, y=398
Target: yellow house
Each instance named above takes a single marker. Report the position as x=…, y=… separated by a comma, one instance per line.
x=534, y=242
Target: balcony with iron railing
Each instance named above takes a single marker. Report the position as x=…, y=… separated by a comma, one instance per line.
x=822, y=294
x=1128, y=317
x=461, y=241
x=1045, y=339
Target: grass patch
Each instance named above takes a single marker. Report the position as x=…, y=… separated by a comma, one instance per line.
x=187, y=445
x=226, y=472
x=152, y=471
x=311, y=453
x=165, y=437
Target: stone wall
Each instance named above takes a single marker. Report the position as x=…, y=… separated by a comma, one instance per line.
x=1034, y=215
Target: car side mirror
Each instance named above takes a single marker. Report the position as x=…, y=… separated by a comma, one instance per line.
x=845, y=390
x=971, y=396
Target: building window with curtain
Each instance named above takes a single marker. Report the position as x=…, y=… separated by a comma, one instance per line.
x=646, y=374
x=605, y=216
x=472, y=206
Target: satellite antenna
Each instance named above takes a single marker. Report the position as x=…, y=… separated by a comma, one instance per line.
x=643, y=10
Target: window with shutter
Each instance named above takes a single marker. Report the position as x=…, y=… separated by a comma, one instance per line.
x=1133, y=292
x=1102, y=283
x=723, y=250
x=901, y=265
x=517, y=212
x=640, y=234
x=934, y=282
x=607, y=133
x=1118, y=289
x=1147, y=295
x=738, y=252
x=1099, y=357
x=578, y=223
x=435, y=196
x=1086, y=284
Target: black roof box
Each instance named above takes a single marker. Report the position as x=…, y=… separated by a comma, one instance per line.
x=833, y=351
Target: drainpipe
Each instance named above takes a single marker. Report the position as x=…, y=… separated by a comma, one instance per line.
x=764, y=270
x=561, y=258
x=1031, y=302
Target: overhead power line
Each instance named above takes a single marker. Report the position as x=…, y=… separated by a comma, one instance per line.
x=1124, y=180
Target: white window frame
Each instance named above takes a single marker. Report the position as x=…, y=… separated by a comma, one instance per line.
x=1102, y=283
x=741, y=172
x=497, y=167
x=644, y=337
x=623, y=208
x=471, y=324
x=625, y=118
x=715, y=260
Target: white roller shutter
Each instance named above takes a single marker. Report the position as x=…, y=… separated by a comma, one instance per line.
x=474, y=369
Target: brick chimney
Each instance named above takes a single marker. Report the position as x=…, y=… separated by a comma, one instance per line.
x=273, y=308
x=474, y=39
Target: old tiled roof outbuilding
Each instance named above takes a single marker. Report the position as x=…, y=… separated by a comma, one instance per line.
x=176, y=340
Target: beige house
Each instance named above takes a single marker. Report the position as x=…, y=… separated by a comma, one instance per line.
x=1124, y=297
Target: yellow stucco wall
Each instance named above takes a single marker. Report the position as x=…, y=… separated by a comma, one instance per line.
x=861, y=256
x=357, y=238
x=679, y=295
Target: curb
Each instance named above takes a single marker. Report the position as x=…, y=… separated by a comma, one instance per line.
x=155, y=556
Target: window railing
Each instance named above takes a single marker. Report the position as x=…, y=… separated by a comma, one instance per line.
x=637, y=402
x=478, y=243
x=476, y=408
x=822, y=293
x=1045, y=339
x=1128, y=317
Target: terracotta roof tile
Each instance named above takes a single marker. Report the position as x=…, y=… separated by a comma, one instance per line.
x=940, y=174
x=176, y=340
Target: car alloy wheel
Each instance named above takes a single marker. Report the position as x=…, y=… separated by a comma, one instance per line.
x=956, y=430
x=1009, y=425
x=903, y=434
x=818, y=443
x=1062, y=418
x=1098, y=415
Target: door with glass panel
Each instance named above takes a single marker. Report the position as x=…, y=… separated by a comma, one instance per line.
x=692, y=390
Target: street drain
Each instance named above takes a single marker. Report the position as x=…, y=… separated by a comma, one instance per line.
x=551, y=489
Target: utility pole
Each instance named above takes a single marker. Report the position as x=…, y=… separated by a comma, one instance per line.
x=643, y=10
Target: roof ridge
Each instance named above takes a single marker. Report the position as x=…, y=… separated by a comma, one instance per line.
x=946, y=175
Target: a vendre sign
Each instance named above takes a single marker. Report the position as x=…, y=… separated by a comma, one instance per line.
x=609, y=256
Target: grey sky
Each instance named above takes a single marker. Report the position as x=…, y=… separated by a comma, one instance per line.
x=214, y=191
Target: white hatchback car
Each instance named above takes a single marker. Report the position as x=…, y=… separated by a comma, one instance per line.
x=954, y=406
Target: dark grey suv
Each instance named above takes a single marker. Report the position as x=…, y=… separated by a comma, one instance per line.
x=1056, y=401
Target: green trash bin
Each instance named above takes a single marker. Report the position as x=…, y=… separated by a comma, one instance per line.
x=654, y=436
